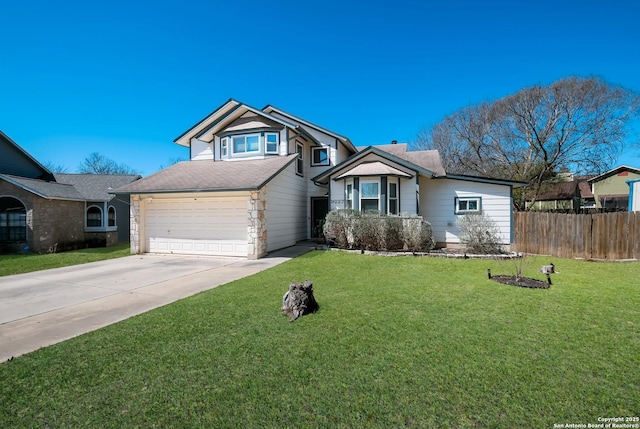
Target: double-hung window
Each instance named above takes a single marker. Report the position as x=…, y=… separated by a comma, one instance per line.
x=468, y=205
x=224, y=147
x=393, y=198
x=300, y=160
x=369, y=196
x=271, y=143
x=349, y=196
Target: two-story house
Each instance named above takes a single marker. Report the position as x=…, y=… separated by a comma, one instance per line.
x=263, y=179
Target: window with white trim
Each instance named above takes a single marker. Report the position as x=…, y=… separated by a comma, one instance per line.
x=271, y=142
x=349, y=196
x=369, y=196
x=248, y=143
x=224, y=147
x=468, y=205
x=319, y=156
x=300, y=160
x=94, y=217
x=393, y=198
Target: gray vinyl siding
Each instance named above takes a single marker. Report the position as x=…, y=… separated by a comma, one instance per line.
x=438, y=199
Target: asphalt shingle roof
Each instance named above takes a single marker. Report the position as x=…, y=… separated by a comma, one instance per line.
x=53, y=190
x=207, y=175
x=95, y=187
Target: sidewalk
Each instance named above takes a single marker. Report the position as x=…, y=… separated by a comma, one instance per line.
x=46, y=307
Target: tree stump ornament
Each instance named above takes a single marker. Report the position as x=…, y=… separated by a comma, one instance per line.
x=299, y=300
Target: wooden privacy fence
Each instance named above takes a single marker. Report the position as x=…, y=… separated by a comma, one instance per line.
x=612, y=236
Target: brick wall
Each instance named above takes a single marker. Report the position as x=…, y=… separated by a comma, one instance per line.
x=54, y=225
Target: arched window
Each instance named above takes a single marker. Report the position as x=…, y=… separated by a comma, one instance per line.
x=111, y=216
x=94, y=216
x=13, y=220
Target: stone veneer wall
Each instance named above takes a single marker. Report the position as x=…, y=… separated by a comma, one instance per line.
x=134, y=225
x=257, y=225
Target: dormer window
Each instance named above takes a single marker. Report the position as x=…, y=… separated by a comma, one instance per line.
x=271, y=143
x=252, y=144
x=224, y=147
x=246, y=143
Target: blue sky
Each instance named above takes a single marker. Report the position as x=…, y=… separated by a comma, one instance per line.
x=124, y=78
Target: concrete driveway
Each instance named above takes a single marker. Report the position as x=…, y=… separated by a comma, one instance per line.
x=45, y=307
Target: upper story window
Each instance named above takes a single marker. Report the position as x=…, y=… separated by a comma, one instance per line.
x=243, y=145
x=224, y=147
x=300, y=160
x=246, y=144
x=271, y=142
x=319, y=156
x=468, y=205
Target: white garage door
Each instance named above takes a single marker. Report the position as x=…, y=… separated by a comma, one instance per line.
x=211, y=226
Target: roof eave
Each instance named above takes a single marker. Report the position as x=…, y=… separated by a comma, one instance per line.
x=494, y=181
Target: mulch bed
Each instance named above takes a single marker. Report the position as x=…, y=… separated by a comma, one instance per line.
x=522, y=282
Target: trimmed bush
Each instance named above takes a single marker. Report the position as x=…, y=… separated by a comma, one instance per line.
x=349, y=229
x=393, y=233
x=338, y=227
x=368, y=231
x=418, y=235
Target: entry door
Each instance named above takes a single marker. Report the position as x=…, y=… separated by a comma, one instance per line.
x=319, y=210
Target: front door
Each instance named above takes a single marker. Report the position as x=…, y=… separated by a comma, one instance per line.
x=319, y=210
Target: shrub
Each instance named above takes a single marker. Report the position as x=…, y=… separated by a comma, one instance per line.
x=375, y=231
x=393, y=238
x=368, y=231
x=338, y=227
x=418, y=235
x=479, y=233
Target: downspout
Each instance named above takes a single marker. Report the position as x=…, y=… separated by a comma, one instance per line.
x=417, y=193
x=511, y=232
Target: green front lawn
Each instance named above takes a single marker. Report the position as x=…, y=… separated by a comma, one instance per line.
x=397, y=342
x=18, y=264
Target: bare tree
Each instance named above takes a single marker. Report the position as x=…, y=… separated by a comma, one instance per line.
x=56, y=168
x=100, y=164
x=580, y=124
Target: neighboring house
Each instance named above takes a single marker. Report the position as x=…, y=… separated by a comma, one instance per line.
x=611, y=190
x=634, y=195
x=573, y=194
x=263, y=179
x=42, y=211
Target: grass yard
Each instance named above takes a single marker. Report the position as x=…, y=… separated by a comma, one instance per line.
x=18, y=264
x=397, y=342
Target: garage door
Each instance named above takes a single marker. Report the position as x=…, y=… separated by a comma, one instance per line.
x=212, y=226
